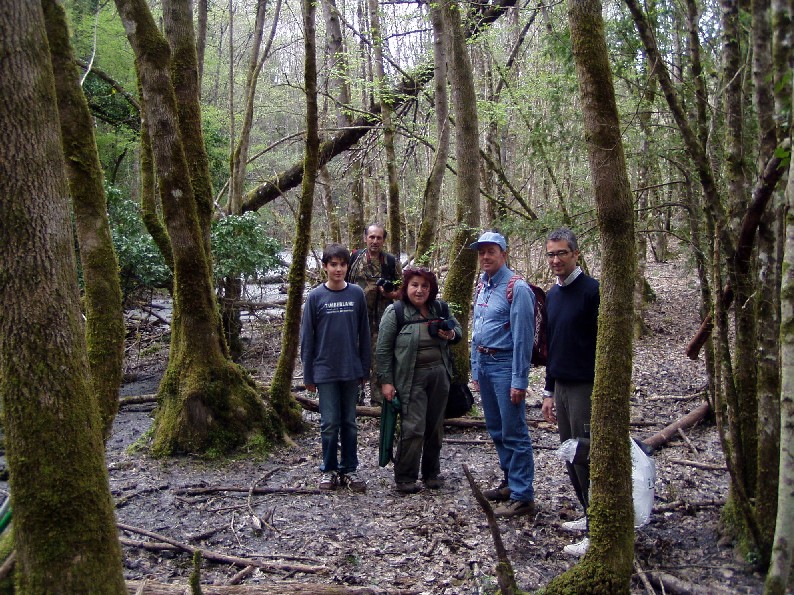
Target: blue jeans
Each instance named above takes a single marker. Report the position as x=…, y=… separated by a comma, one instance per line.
x=338, y=417
x=507, y=424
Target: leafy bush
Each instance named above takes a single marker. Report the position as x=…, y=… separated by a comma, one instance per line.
x=241, y=246
x=140, y=262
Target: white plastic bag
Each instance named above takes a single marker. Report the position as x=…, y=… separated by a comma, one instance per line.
x=643, y=478
x=643, y=475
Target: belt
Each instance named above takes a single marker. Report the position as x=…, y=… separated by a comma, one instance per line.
x=488, y=350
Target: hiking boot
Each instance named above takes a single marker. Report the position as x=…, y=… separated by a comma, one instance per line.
x=577, y=549
x=408, y=487
x=515, y=508
x=329, y=481
x=575, y=526
x=498, y=494
x=433, y=483
x=353, y=482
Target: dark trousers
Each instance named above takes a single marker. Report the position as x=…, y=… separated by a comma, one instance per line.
x=422, y=425
x=574, y=404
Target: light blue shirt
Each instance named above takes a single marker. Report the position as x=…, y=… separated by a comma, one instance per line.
x=504, y=326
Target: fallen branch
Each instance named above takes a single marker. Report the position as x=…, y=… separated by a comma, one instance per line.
x=136, y=399
x=224, y=559
x=282, y=588
x=689, y=420
x=688, y=441
x=699, y=465
x=676, y=586
x=689, y=506
x=505, y=576
x=643, y=577
x=675, y=397
x=248, y=490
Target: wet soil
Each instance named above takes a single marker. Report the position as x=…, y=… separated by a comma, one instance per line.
x=435, y=541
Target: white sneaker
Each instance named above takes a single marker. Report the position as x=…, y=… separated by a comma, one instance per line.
x=576, y=526
x=577, y=549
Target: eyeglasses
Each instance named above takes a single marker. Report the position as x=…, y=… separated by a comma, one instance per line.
x=558, y=254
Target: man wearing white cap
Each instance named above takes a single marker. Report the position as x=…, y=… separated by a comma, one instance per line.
x=501, y=350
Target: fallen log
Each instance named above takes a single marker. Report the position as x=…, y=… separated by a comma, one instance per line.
x=689, y=420
x=248, y=490
x=699, y=465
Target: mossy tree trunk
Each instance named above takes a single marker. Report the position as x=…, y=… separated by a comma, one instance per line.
x=459, y=284
x=777, y=579
x=607, y=566
x=205, y=401
x=104, y=318
x=53, y=427
x=280, y=394
x=432, y=195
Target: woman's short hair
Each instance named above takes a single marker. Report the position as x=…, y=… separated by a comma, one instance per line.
x=425, y=273
x=335, y=251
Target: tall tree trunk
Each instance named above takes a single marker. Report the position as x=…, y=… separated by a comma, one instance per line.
x=777, y=579
x=105, y=330
x=201, y=38
x=52, y=423
x=280, y=393
x=463, y=262
x=386, y=111
x=206, y=401
x=608, y=564
x=435, y=180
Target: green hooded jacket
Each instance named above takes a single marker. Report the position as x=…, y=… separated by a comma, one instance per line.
x=396, y=352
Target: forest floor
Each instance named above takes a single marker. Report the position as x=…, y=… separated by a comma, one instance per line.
x=304, y=540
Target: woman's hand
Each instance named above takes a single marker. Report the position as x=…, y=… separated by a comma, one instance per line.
x=388, y=391
x=447, y=335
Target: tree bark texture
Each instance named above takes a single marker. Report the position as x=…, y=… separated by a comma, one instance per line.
x=783, y=549
x=386, y=111
x=432, y=195
x=206, y=402
x=105, y=330
x=608, y=564
x=459, y=284
x=280, y=395
x=53, y=428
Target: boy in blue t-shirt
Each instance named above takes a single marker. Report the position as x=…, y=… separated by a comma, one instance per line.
x=335, y=350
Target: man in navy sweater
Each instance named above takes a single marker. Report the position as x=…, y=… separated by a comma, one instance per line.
x=572, y=309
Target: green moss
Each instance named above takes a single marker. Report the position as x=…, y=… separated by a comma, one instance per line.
x=587, y=578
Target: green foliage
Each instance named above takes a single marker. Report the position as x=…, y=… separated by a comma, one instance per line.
x=140, y=262
x=216, y=141
x=241, y=246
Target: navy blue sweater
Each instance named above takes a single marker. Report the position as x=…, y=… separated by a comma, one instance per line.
x=572, y=329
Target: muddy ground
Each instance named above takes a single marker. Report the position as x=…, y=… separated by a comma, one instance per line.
x=431, y=542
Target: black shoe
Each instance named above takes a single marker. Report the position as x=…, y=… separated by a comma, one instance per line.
x=515, y=508
x=433, y=483
x=408, y=487
x=498, y=494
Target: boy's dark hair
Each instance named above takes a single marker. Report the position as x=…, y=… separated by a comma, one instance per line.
x=563, y=234
x=335, y=251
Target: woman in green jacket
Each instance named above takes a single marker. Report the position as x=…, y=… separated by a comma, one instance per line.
x=414, y=360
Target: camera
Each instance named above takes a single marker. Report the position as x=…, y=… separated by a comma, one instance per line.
x=440, y=324
x=387, y=284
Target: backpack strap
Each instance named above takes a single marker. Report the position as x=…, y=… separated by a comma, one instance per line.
x=510, y=285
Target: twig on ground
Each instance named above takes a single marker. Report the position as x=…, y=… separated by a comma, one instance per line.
x=224, y=559
x=262, y=490
x=505, y=576
x=699, y=465
x=688, y=441
x=643, y=578
x=679, y=504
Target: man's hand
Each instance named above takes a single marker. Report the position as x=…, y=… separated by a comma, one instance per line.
x=312, y=388
x=517, y=395
x=548, y=410
x=476, y=385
